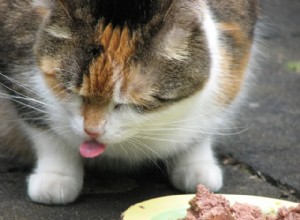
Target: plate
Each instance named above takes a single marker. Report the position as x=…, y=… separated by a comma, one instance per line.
x=174, y=207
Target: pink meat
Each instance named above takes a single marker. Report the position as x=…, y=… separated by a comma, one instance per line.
x=247, y=212
x=288, y=213
x=208, y=206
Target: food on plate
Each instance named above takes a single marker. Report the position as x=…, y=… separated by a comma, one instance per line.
x=292, y=213
x=206, y=205
x=209, y=206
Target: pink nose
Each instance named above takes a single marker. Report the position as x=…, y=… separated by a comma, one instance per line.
x=92, y=133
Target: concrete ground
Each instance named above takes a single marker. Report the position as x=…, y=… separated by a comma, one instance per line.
x=262, y=158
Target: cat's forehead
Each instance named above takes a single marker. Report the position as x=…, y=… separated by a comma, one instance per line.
x=136, y=60
x=113, y=65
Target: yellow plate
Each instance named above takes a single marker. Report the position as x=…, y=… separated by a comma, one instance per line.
x=174, y=207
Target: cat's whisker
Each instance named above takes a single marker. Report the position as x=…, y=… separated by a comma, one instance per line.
x=76, y=63
x=170, y=135
x=134, y=116
x=157, y=118
x=145, y=137
x=14, y=97
x=21, y=97
x=124, y=149
x=144, y=145
x=151, y=149
x=208, y=131
x=50, y=90
x=58, y=95
x=26, y=119
x=135, y=143
x=64, y=70
x=47, y=131
x=66, y=131
x=19, y=84
x=30, y=106
x=50, y=131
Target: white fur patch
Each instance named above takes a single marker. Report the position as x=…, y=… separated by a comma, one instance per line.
x=211, y=32
x=40, y=3
x=59, y=32
x=58, y=177
x=118, y=80
x=176, y=45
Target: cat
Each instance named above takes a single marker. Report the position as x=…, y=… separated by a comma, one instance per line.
x=122, y=83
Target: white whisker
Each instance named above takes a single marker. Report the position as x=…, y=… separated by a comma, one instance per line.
x=19, y=84
x=145, y=137
x=135, y=143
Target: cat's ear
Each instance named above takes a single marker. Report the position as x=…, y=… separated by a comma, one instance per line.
x=175, y=44
x=44, y=7
x=182, y=19
x=185, y=12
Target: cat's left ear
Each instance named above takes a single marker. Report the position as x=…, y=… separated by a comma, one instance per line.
x=184, y=12
x=182, y=19
x=44, y=7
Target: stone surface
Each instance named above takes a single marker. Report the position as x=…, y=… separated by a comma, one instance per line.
x=271, y=145
x=262, y=159
x=239, y=179
x=104, y=201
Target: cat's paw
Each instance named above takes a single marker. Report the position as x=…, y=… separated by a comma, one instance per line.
x=186, y=178
x=53, y=188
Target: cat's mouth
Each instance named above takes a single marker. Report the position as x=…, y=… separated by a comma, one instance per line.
x=91, y=149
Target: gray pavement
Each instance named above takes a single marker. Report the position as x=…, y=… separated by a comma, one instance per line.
x=271, y=146
x=262, y=160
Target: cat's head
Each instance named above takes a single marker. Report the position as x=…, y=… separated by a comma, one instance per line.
x=122, y=58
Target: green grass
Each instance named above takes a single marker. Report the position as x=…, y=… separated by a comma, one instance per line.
x=294, y=66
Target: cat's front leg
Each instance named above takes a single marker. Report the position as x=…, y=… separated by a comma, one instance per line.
x=58, y=177
x=196, y=166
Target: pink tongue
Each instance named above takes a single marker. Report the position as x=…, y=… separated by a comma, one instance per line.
x=91, y=149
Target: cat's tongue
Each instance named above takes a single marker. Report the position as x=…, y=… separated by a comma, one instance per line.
x=91, y=149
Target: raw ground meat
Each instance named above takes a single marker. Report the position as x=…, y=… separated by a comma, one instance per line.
x=206, y=205
x=289, y=213
x=209, y=206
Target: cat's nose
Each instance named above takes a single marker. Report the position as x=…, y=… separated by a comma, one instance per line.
x=92, y=133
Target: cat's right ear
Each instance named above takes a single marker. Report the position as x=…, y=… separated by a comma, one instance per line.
x=43, y=7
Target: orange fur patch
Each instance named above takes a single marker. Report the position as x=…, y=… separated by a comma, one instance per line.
x=112, y=65
x=233, y=76
x=48, y=66
x=139, y=87
x=236, y=32
x=94, y=114
x=234, y=63
x=58, y=90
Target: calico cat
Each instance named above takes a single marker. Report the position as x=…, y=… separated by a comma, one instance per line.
x=122, y=83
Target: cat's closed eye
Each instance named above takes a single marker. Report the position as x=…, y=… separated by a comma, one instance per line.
x=134, y=107
x=118, y=107
x=165, y=100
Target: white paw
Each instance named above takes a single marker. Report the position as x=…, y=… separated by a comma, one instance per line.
x=186, y=178
x=53, y=188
